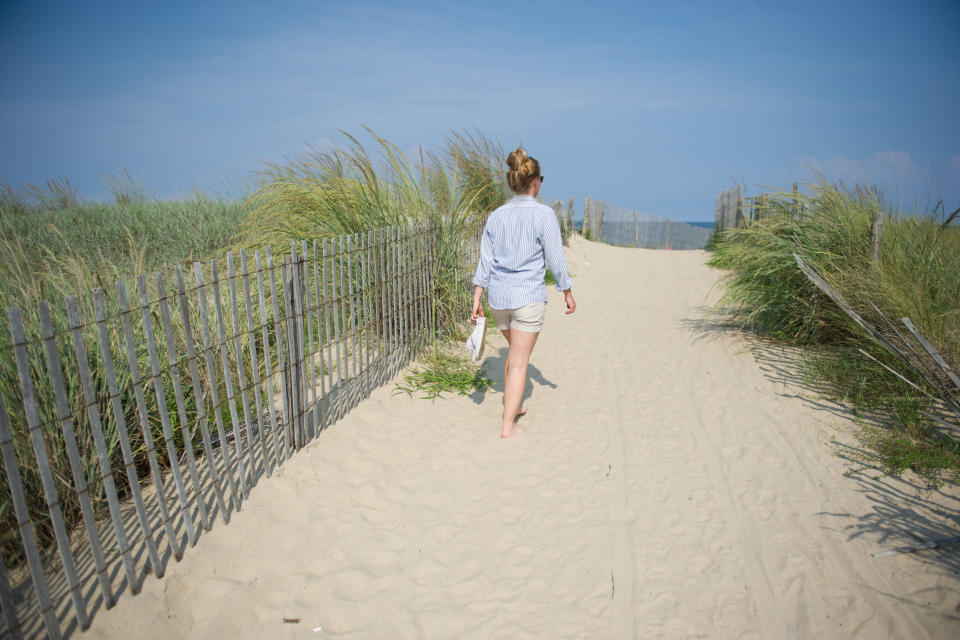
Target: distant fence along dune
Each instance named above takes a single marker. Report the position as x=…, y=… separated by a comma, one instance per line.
x=620, y=226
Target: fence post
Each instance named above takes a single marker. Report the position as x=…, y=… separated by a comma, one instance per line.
x=570, y=216
x=740, y=209
x=876, y=234
x=636, y=230
x=585, y=229
x=293, y=372
x=600, y=223
x=666, y=234
x=718, y=214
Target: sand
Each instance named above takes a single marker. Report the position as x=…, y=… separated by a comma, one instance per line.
x=676, y=480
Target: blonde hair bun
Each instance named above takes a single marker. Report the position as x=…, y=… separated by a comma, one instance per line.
x=523, y=169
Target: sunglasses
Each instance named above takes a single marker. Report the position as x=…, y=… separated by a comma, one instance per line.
x=541, y=178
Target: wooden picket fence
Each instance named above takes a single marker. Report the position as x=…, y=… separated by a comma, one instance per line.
x=134, y=419
x=734, y=210
x=606, y=222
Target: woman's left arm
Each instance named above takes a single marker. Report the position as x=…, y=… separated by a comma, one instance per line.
x=553, y=252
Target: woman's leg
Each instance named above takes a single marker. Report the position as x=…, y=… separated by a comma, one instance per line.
x=515, y=376
x=523, y=409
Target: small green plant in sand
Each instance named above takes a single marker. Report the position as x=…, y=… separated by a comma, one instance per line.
x=444, y=372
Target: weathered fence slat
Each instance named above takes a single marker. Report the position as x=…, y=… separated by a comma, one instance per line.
x=185, y=430
x=228, y=382
x=308, y=331
x=937, y=358
x=298, y=267
x=130, y=469
x=394, y=288
x=164, y=415
x=421, y=289
x=368, y=309
x=281, y=355
x=415, y=274
x=388, y=318
x=356, y=318
x=382, y=306
x=400, y=311
x=348, y=342
x=327, y=310
x=247, y=430
x=407, y=283
x=73, y=453
x=103, y=458
x=295, y=342
x=211, y=368
x=293, y=357
x=43, y=464
x=211, y=460
x=270, y=438
x=289, y=432
x=403, y=292
x=12, y=469
x=338, y=323
x=160, y=497
x=296, y=352
x=319, y=410
x=254, y=366
x=351, y=337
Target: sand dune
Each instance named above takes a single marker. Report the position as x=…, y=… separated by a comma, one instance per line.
x=676, y=480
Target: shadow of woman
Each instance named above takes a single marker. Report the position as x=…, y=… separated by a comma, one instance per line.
x=492, y=368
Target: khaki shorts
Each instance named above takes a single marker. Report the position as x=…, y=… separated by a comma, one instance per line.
x=527, y=318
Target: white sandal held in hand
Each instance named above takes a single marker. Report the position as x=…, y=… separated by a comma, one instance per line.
x=475, y=342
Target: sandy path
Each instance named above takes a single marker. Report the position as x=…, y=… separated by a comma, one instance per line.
x=675, y=481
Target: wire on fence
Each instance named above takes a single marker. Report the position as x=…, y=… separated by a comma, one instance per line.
x=131, y=419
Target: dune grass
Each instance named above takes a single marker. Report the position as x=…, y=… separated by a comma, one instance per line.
x=349, y=189
x=53, y=245
x=917, y=276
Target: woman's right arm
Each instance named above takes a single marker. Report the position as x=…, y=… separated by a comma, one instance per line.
x=476, y=310
x=482, y=275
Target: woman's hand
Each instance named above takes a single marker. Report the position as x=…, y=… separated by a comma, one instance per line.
x=477, y=310
x=571, y=303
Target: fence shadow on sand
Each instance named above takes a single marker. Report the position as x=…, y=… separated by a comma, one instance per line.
x=904, y=512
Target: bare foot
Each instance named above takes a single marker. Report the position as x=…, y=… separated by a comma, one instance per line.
x=512, y=432
x=522, y=411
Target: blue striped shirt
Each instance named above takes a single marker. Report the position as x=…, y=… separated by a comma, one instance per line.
x=520, y=240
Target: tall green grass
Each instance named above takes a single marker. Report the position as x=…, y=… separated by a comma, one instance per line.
x=349, y=189
x=53, y=245
x=917, y=276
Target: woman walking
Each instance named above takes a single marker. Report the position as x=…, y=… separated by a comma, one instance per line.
x=520, y=240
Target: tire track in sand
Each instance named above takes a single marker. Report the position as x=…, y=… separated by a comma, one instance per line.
x=622, y=561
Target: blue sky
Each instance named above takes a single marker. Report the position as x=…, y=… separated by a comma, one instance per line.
x=655, y=106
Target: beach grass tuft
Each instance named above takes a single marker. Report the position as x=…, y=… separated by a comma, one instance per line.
x=444, y=372
x=915, y=276
x=350, y=189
